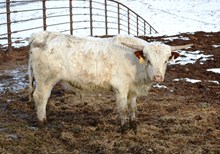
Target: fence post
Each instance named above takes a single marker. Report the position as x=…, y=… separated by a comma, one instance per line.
x=91, y=26
x=44, y=15
x=71, y=17
x=137, y=27
x=119, y=28
x=9, y=25
x=144, y=28
x=106, y=19
x=128, y=21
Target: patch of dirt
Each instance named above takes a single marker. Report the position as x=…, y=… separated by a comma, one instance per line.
x=182, y=118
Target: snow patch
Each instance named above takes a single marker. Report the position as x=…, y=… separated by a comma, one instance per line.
x=159, y=86
x=187, y=80
x=215, y=70
x=13, y=80
x=216, y=82
x=174, y=38
x=168, y=18
x=190, y=57
x=216, y=46
x=194, y=80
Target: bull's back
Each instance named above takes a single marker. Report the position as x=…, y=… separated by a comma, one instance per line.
x=74, y=59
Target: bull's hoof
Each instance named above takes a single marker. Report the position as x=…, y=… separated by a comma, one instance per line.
x=124, y=128
x=42, y=123
x=133, y=126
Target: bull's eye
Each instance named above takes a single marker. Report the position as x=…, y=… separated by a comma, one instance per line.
x=166, y=62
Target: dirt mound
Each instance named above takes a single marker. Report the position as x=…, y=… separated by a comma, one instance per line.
x=180, y=117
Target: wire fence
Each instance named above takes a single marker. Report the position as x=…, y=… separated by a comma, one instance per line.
x=19, y=19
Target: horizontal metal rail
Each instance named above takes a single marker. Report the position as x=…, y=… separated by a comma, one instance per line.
x=96, y=17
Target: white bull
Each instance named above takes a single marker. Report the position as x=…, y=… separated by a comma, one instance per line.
x=125, y=64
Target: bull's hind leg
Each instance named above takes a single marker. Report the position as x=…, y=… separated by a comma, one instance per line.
x=41, y=95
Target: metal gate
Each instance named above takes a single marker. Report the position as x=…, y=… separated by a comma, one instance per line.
x=92, y=17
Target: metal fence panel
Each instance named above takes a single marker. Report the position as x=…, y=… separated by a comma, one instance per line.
x=93, y=17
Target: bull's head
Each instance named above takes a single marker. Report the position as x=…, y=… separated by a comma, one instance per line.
x=156, y=57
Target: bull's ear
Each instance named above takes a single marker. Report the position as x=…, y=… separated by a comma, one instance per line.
x=174, y=55
x=140, y=56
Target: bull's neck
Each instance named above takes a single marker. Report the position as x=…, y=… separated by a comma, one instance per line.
x=141, y=74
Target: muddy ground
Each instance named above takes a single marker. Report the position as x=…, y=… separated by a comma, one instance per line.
x=182, y=118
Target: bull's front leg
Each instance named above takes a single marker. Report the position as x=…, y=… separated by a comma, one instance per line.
x=121, y=99
x=132, y=107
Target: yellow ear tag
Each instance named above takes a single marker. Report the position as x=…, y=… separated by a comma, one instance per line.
x=141, y=60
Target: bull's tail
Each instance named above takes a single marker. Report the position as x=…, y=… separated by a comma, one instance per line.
x=31, y=79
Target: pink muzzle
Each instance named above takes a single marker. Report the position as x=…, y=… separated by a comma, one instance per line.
x=157, y=78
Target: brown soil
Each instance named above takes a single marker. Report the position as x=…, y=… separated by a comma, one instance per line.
x=182, y=118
